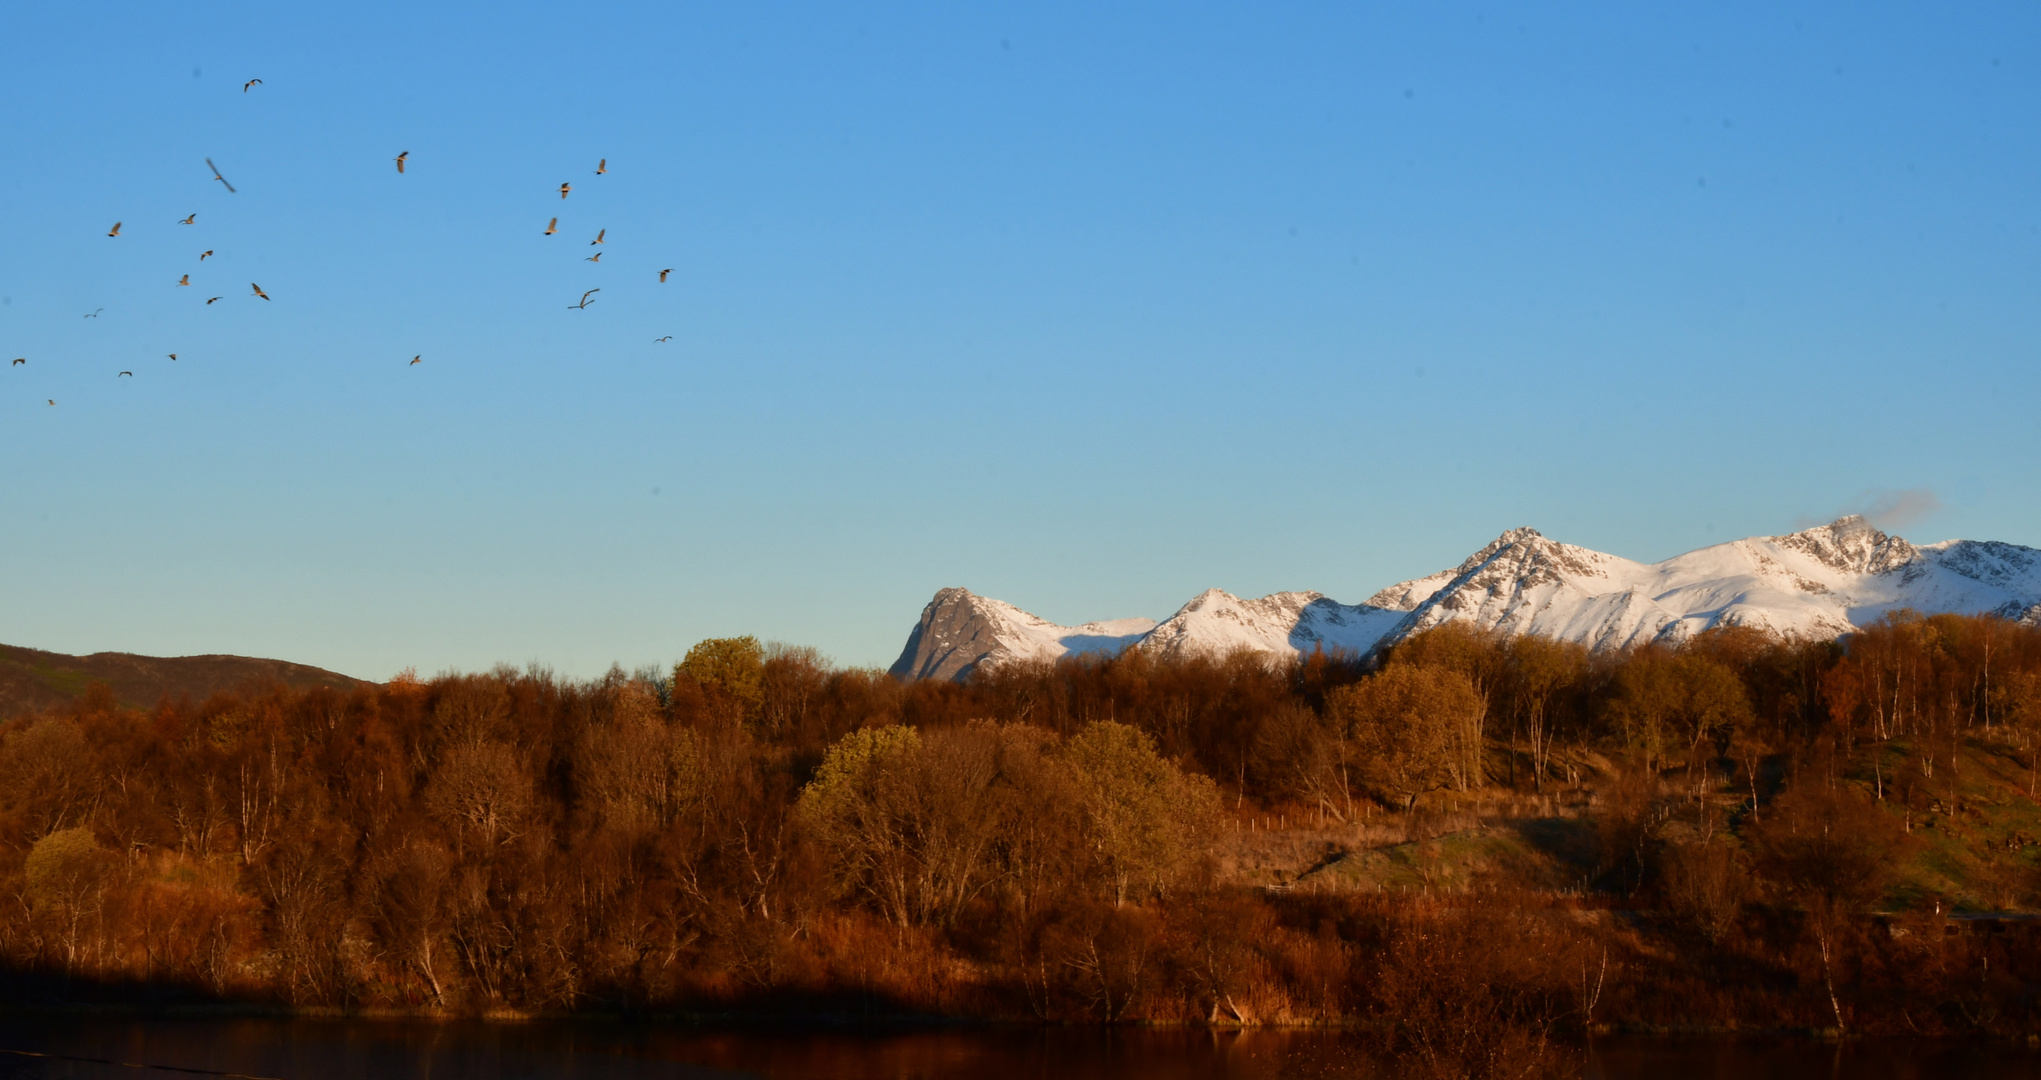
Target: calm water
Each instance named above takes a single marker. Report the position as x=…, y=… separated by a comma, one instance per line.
x=388, y=1050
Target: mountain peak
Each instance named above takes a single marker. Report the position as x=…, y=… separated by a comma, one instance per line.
x=959, y=631
x=1851, y=544
x=1512, y=538
x=1817, y=583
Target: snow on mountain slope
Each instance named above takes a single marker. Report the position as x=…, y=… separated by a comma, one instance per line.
x=1216, y=622
x=1822, y=582
x=959, y=631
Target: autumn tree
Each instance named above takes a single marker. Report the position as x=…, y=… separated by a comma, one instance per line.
x=1301, y=754
x=481, y=792
x=1410, y=727
x=1677, y=704
x=1537, y=673
x=634, y=773
x=1145, y=821
x=46, y=781
x=1483, y=657
x=1828, y=848
x=64, y=883
x=409, y=905
x=913, y=820
x=729, y=671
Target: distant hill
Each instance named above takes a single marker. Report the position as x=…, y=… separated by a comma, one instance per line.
x=32, y=679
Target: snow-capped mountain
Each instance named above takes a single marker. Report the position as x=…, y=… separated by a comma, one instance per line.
x=1822, y=582
x=1219, y=622
x=960, y=630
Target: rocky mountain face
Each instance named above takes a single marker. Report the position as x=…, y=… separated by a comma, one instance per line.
x=1822, y=582
x=960, y=630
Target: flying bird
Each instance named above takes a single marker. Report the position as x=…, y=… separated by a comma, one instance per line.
x=415, y=359
x=249, y=83
x=19, y=360
x=129, y=374
x=400, y=160
x=53, y=401
x=564, y=189
x=94, y=315
x=202, y=255
x=657, y=340
x=258, y=290
x=189, y=220
x=599, y=234
x=552, y=226
x=595, y=258
x=115, y=231
x=210, y=301
x=602, y=166
x=663, y=273
x=584, y=300
x=173, y=356
x=217, y=176
x=185, y=280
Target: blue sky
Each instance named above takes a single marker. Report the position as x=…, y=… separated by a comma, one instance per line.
x=1085, y=306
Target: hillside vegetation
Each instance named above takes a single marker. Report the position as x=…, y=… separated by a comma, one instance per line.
x=1478, y=848
x=33, y=679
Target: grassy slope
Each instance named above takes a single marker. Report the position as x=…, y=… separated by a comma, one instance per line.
x=1976, y=851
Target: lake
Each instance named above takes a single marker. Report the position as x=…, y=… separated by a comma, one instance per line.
x=309, y=1049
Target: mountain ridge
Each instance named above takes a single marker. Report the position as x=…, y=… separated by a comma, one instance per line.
x=32, y=679
x=1821, y=582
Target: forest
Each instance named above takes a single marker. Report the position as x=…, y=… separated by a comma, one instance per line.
x=1481, y=848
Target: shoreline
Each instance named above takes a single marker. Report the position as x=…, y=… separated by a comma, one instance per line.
x=906, y=1024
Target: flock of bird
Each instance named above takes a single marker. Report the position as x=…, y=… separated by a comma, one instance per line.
x=552, y=228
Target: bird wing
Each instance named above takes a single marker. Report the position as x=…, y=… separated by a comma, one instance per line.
x=115, y=231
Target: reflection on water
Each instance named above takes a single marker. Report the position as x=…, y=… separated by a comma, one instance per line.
x=402, y=1050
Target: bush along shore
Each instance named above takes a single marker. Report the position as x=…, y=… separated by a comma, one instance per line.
x=1478, y=849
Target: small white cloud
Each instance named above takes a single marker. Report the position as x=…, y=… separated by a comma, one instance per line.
x=1890, y=510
